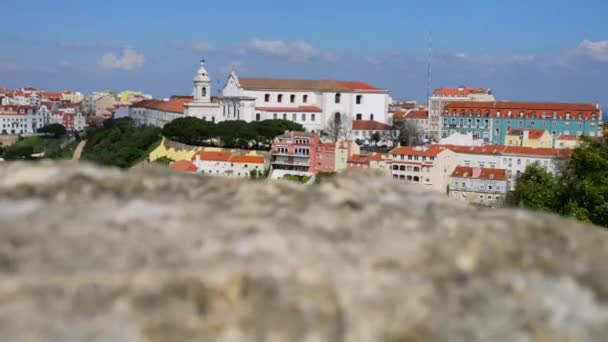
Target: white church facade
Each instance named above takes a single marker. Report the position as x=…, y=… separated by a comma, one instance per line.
x=311, y=103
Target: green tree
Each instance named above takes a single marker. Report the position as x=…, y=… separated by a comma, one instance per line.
x=536, y=189
x=16, y=152
x=56, y=130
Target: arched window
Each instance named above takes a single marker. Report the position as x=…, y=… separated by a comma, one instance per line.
x=305, y=98
x=337, y=119
x=371, y=117
x=267, y=98
x=292, y=98
x=338, y=97
x=204, y=91
x=280, y=98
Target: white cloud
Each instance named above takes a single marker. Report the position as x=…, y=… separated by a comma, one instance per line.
x=202, y=47
x=298, y=50
x=130, y=60
x=495, y=60
x=596, y=50
x=237, y=66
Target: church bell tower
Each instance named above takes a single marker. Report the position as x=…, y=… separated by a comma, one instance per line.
x=202, y=85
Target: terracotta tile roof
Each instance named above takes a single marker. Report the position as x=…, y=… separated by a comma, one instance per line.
x=248, y=159
x=377, y=156
x=417, y=114
x=399, y=115
x=485, y=149
x=369, y=125
x=213, y=156
x=184, y=165
x=311, y=109
x=174, y=104
x=568, y=137
x=51, y=96
x=311, y=85
x=533, y=134
x=430, y=151
x=480, y=173
x=531, y=151
x=463, y=91
x=529, y=109
x=359, y=159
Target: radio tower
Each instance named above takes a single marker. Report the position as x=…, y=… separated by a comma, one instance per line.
x=428, y=71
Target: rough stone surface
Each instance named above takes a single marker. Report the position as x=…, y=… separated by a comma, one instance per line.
x=95, y=254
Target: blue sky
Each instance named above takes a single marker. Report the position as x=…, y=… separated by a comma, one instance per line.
x=546, y=50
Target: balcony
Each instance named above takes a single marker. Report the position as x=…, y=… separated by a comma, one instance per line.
x=287, y=161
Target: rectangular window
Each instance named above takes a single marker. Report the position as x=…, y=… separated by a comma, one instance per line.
x=359, y=99
x=312, y=117
x=294, y=117
x=280, y=98
x=274, y=116
x=305, y=98
x=292, y=98
x=303, y=117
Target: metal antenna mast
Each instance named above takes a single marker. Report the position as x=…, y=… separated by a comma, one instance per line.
x=428, y=72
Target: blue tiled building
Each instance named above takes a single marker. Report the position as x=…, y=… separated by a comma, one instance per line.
x=491, y=121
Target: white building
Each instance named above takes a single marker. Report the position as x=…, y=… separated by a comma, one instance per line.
x=16, y=119
x=514, y=159
x=311, y=103
x=223, y=163
x=441, y=97
x=479, y=186
x=429, y=166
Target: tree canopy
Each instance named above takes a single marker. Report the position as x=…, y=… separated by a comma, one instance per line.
x=579, y=191
x=230, y=134
x=56, y=130
x=119, y=142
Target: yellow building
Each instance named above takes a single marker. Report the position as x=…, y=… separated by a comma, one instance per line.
x=567, y=142
x=535, y=138
x=345, y=149
x=72, y=96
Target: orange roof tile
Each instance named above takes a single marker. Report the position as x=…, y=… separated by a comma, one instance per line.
x=529, y=109
x=213, y=155
x=379, y=156
x=568, y=137
x=312, y=109
x=248, y=159
x=184, y=165
x=480, y=173
x=314, y=85
x=430, y=151
x=359, y=159
x=417, y=114
x=463, y=91
x=174, y=104
x=533, y=134
x=369, y=125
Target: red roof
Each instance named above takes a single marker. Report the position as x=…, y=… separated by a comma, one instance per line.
x=247, y=159
x=533, y=134
x=531, y=151
x=417, y=114
x=213, y=155
x=568, y=137
x=184, y=165
x=174, y=104
x=379, y=156
x=314, y=85
x=369, y=125
x=359, y=159
x=463, y=91
x=430, y=151
x=290, y=109
x=479, y=173
x=529, y=109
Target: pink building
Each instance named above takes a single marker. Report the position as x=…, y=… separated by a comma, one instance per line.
x=326, y=158
x=295, y=151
